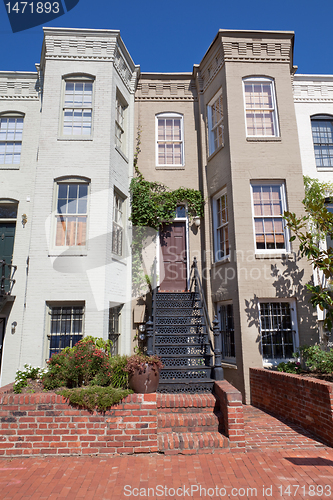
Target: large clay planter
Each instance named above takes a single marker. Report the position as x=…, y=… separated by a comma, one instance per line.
x=144, y=382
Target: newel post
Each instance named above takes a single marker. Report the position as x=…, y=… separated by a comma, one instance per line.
x=218, y=370
x=149, y=330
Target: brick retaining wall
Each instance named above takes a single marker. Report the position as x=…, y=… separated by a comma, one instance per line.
x=230, y=405
x=41, y=424
x=301, y=400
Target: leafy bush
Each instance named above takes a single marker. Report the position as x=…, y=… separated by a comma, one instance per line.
x=83, y=364
x=318, y=360
x=22, y=377
x=93, y=397
x=139, y=362
x=289, y=367
x=119, y=377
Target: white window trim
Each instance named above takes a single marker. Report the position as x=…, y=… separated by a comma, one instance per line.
x=170, y=115
x=79, y=78
x=270, y=363
x=15, y=115
x=215, y=237
x=211, y=149
x=287, y=248
x=57, y=250
x=232, y=359
x=123, y=148
x=265, y=79
x=121, y=196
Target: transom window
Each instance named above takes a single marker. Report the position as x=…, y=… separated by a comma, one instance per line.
x=11, y=129
x=118, y=224
x=66, y=327
x=77, y=113
x=221, y=229
x=215, y=122
x=227, y=331
x=268, y=207
x=277, y=335
x=322, y=133
x=170, y=142
x=71, y=214
x=260, y=107
x=120, y=123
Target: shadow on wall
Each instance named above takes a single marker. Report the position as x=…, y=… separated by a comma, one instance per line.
x=288, y=284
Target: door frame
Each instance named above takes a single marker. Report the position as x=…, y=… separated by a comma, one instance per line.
x=187, y=247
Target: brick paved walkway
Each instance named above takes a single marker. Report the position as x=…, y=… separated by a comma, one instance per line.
x=286, y=459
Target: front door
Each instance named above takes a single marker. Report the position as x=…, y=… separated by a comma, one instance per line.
x=173, y=266
x=7, y=235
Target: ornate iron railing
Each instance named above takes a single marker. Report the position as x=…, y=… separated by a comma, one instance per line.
x=7, y=281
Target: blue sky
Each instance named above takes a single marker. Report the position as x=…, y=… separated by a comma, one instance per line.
x=172, y=36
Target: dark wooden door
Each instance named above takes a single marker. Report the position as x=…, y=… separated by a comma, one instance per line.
x=7, y=236
x=173, y=268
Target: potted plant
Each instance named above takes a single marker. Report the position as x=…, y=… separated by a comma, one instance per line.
x=143, y=373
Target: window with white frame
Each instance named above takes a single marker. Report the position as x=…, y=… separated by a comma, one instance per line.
x=118, y=224
x=277, y=330
x=66, y=327
x=215, y=122
x=226, y=315
x=170, y=139
x=71, y=213
x=220, y=222
x=120, y=134
x=260, y=107
x=269, y=203
x=11, y=129
x=322, y=134
x=78, y=105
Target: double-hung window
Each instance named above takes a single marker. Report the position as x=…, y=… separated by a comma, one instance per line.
x=11, y=129
x=66, y=327
x=322, y=134
x=170, y=139
x=71, y=213
x=269, y=203
x=77, y=109
x=260, y=107
x=227, y=331
x=120, y=123
x=277, y=330
x=215, y=122
x=221, y=229
x=118, y=224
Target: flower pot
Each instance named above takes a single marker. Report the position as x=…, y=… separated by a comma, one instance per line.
x=144, y=381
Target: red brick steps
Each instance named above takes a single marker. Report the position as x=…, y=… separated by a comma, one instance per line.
x=189, y=424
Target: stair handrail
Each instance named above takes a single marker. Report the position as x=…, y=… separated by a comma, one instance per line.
x=3, y=278
x=197, y=281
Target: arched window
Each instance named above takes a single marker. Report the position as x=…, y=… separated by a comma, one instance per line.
x=260, y=107
x=169, y=139
x=78, y=105
x=322, y=134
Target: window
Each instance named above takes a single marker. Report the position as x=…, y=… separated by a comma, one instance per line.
x=269, y=225
x=260, y=107
x=227, y=331
x=11, y=129
x=215, y=122
x=276, y=329
x=66, y=327
x=118, y=225
x=120, y=123
x=114, y=328
x=322, y=133
x=220, y=221
x=71, y=214
x=77, y=111
x=170, y=142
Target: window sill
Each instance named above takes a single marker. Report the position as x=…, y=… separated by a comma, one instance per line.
x=121, y=154
x=75, y=138
x=263, y=139
x=215, y=152
x=324, y=169
x=275, y=255
x=9, y=167
x=119, y=258
x=68, y=252
x=226, y=260
x=170, y=167
x=229, y=364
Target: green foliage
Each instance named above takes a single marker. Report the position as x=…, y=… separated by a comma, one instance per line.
x=90, y=397
x=22, y=377
x=84, y=364
x=289, y=367
x=318, y=360
x=139, y=362
x=119, y=377
x=311, y=230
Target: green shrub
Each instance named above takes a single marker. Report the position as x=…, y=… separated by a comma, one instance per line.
x=93, y=397
x=289, y=367
x=318, y=360
x=22, y=377
x=119, y=377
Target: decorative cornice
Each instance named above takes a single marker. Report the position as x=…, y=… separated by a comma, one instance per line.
x=210, y=72
x=18, y=88
x=128, y=77
x=313, y=91
x=257, y=50
x=179, y=99
x=161, y=90
x=79, y=47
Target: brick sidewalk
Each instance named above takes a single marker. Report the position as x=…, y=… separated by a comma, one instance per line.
x=229, y=475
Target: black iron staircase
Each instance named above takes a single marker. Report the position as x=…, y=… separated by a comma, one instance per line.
x=181, y=334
